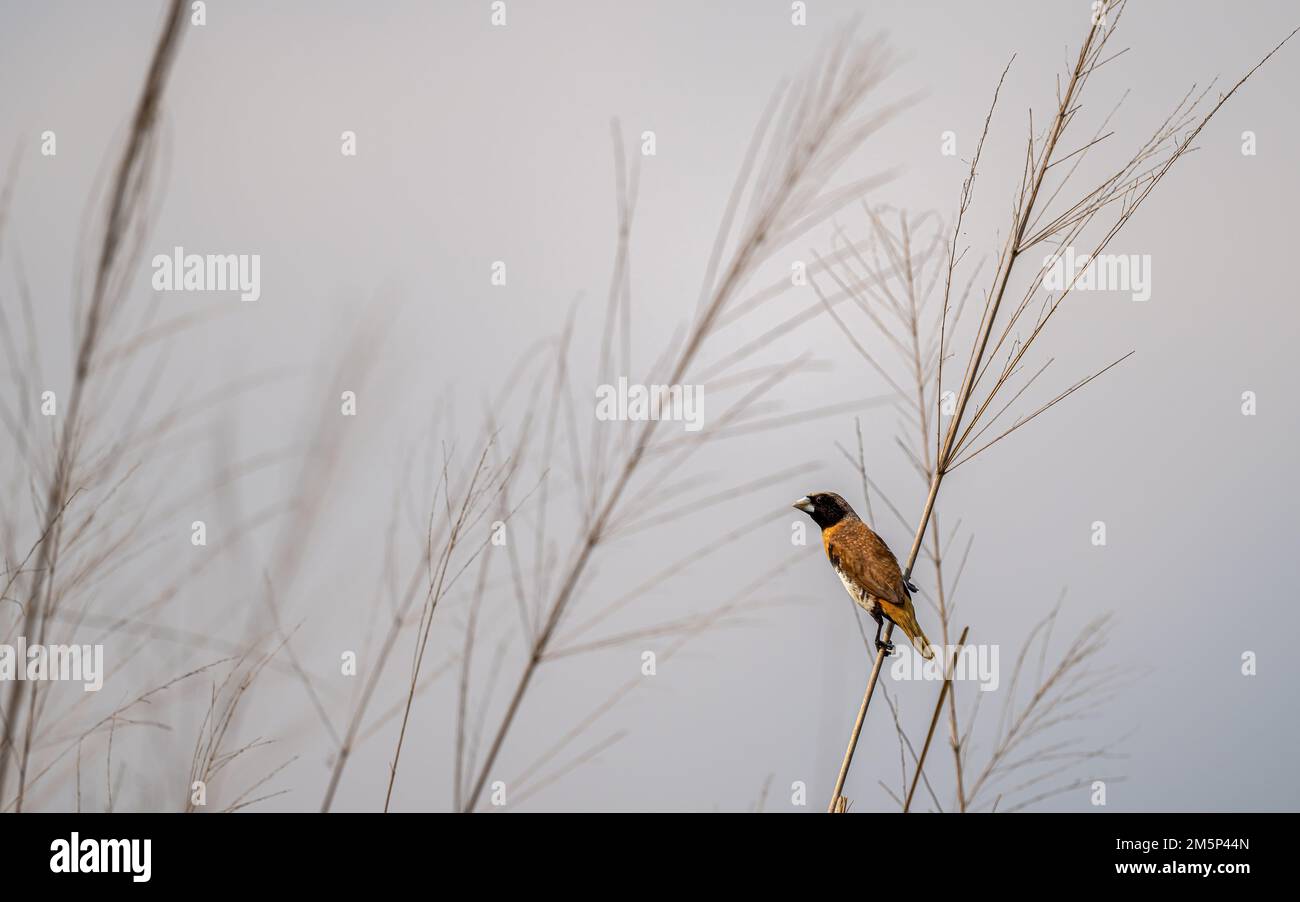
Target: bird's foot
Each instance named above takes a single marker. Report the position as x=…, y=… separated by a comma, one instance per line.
x=886, y=647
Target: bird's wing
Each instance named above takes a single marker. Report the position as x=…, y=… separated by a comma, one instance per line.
x=863, y=557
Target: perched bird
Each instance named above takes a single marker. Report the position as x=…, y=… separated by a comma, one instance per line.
x=867, y=568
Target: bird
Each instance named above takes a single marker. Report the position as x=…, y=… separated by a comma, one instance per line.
x=867, y=567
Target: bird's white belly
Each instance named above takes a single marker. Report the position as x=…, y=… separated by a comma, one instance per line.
x=858, y=594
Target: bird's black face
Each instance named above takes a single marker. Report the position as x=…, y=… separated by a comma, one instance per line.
x=825, y=508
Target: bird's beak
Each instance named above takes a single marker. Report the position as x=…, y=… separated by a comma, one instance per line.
x=804, y=504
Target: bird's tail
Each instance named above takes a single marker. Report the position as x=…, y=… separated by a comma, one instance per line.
x=907, y=622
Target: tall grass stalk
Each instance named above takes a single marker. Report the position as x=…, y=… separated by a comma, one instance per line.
x=809, y=130
x=1037, y=220
x=126, y=206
